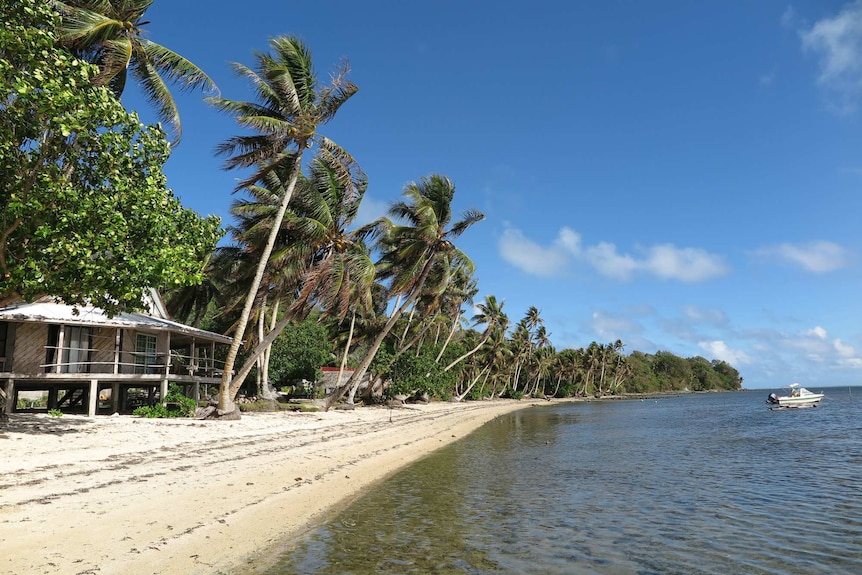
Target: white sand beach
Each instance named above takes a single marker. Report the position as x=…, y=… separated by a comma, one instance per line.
x=122, y=495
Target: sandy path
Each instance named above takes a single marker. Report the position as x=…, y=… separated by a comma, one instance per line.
x=127, y=495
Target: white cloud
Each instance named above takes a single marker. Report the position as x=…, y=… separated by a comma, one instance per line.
x=605, y=259
x=843, y=349
x=664, y=261
x=684, y=264
x=837, y=41
x=532, y=258
x=570, y=240
x=719, y=350
x=817, y=332
x=815, y=257
x=612, y=327
x=851, y=362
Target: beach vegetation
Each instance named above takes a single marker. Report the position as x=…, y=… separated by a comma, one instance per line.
x=299, y=353
x=29, y=402
x=420, y=375
x=175, y=404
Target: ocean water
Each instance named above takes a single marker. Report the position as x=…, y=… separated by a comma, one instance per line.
x=705, y=483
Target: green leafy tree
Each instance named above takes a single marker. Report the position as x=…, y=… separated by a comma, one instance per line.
x=299, y=352
x=109, y=34
x=420, y=374
x=728, y=374
x=85, y=214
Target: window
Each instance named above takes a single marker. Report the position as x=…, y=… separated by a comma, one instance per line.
x=76, y=350
x=146, y=358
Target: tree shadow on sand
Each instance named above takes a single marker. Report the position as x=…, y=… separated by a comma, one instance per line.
x=33, y=424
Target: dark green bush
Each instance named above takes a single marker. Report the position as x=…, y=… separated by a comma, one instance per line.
x=175, y=405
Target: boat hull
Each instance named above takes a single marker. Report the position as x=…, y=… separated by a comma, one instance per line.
x=804, y=401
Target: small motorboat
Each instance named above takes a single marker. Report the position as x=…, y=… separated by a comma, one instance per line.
x=796, y=396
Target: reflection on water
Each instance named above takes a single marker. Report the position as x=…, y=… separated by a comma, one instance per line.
x=694, y=484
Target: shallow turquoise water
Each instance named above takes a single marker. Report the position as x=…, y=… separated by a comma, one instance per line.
x=710, y=483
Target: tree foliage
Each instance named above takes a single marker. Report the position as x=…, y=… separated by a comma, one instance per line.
x=85, y=214
x=299, y=352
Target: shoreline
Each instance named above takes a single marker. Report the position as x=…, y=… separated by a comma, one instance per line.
x=129, y=495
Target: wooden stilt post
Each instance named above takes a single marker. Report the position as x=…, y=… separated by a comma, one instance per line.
x=93, y=398
x=163, y=390
x=118, y=342
x=115, y=397
x=9, y=389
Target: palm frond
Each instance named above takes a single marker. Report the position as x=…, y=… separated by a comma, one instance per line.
x=157, y=94
x=176, y=68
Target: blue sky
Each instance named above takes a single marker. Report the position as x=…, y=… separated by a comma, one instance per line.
x=683, y=176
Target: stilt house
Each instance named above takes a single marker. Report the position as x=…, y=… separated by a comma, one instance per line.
x=87, y=362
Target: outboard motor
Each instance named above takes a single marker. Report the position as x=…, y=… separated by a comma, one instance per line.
x=772, y=399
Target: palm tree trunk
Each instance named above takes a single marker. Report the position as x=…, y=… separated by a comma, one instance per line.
x=366, y=361
x=471, y=352
x=359, y=372
x=559, y=381
x=344, y=357
x=230, y=385
x=261, y=375
x=267, y=353
x=448, y=337
x=407, y=326
x=472, y=383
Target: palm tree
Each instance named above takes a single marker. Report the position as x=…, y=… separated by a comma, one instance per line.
x=329, y=266
x=411, y=250
x=542, y=341
x=522, y=342
x=490, y=314
x=462, y=291
x=109, y=34
x=497, y=354
x=291, y=109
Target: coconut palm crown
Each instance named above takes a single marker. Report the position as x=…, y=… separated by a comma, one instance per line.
x=109, y=34
x=289, y=109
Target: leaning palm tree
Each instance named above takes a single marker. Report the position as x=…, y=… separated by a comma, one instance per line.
x=490, y=314
x=109, y=34
x=291, y=107
x=463, y=290
x=320, y=263
x=411, y=250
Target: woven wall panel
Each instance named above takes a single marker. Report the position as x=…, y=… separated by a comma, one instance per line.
x=30, y=342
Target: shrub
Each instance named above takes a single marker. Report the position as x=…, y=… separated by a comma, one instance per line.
x=416, y=375
x=175, y=405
